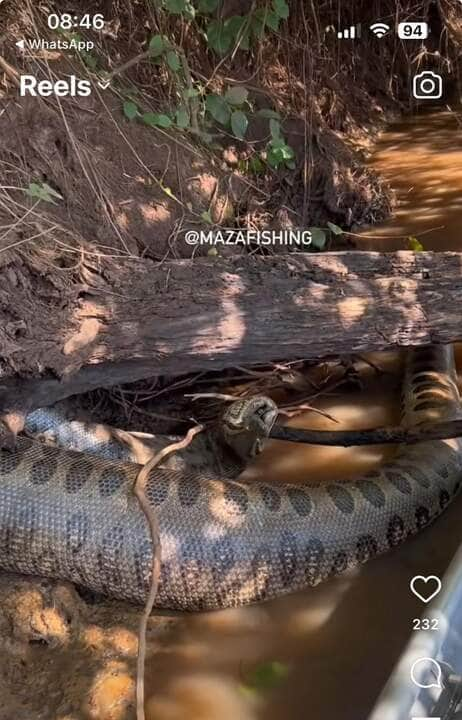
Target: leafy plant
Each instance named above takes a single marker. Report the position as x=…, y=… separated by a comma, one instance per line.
x=239, y=30
x=156, y=120
x=228, y=111
x=415, y=244
x=278, y=152
x=319, y=235
x=130, y=109
x=197, y=110
x=42, y=191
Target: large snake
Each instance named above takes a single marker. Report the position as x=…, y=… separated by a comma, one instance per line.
x=72, y=515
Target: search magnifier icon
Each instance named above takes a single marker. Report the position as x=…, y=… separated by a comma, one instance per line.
x=426, y=673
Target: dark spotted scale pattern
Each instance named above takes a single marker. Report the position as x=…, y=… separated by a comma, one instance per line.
x=371, y=490
x=342, y=498
x=271, y=498
x=43, y=470
x=77, y=475
x=110, y=481
x=224, y=543
x=300, y=501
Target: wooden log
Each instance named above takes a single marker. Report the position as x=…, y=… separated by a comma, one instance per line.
x=144, y=319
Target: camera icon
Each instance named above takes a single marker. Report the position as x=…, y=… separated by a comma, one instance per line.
x=427, y=85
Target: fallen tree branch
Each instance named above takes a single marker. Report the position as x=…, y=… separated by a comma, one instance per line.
x=377, y=436
x=184, y=316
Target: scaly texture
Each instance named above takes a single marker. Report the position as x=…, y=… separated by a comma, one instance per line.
x=70, y=515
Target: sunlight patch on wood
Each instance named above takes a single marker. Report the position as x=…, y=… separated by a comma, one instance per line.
x=88, y=331
x=351, y=310
x=230, y=330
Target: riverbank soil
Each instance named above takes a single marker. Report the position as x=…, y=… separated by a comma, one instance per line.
x=240, y=115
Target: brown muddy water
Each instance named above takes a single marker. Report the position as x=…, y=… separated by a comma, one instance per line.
x=338, y=642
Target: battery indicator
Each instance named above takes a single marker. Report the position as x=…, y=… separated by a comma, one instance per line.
x=413, y=30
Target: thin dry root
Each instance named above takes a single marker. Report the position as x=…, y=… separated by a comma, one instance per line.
x=140, y=492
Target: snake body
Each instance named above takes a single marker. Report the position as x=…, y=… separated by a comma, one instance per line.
x=70, y=515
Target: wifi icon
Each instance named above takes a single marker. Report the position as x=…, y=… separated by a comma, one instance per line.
x=379, y=29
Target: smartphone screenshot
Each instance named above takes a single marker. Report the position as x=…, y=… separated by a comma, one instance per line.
x=230, y=357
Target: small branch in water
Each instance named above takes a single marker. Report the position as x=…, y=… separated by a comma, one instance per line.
x=376, y=436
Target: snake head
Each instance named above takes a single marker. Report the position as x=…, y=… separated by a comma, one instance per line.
x=247, y=423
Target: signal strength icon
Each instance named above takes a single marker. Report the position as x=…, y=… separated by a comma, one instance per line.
x=379, y=29
x=350, y=33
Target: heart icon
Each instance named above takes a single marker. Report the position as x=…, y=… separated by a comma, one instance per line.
x=429, y=587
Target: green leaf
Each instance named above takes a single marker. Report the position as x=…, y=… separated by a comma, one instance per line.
x=182, y=118
x=287, y=152
x=206, y=217
x=156, y=45
x=239, y=123
x=190, y=11
x=415, y=244
x=281, y=8
x=318, y=237
x=273, y=157
x=42, y=191
x=89, y=60
x=244, y=39
x=273, y=20
x=266, y=676
x=275, y=130
x=207, y=6
x=173, y=61
x=268, y=113
x=176, y=7
x=130, y=109
x=190, y=92
x=219, y=37
x=258, y=22
x=236, y=95
x=235, y=24
x=156, y=120
x=238, y=28
x=255, y=165
x=218, y=108
x=335, y=228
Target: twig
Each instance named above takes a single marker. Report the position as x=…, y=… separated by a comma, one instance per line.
x=140, y=492
x=216, y=396
x=133, y=61
x=294, y=410
x=10, y=71
x=193, y=101
x=377, y=436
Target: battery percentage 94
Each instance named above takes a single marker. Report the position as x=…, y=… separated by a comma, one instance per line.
x=413, y=30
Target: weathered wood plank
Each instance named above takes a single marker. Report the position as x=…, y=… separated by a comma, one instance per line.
x=211, y=313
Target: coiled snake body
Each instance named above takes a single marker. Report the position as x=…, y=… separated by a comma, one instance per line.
x=74, y=516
